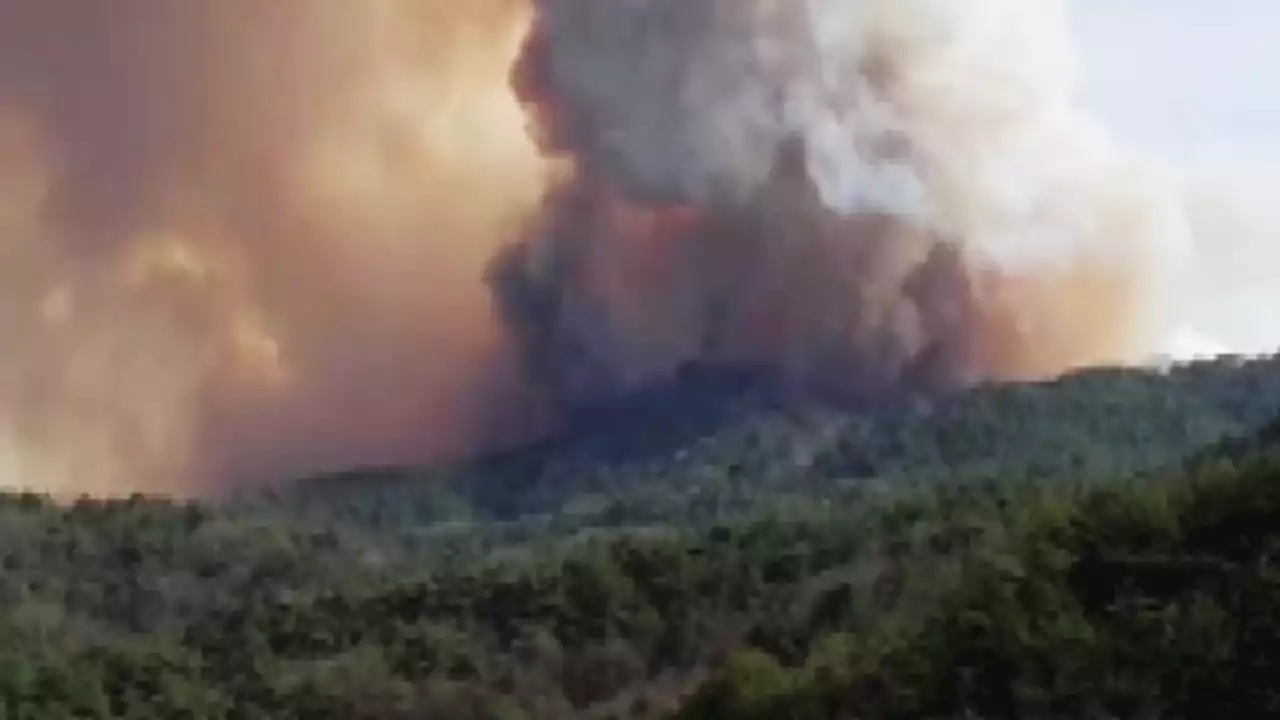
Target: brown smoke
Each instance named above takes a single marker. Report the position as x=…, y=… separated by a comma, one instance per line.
x=242, y=239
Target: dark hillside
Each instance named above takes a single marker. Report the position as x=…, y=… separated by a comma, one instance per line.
x=710, y=446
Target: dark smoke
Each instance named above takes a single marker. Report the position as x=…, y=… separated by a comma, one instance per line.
x=595, y=317
x=749, y=190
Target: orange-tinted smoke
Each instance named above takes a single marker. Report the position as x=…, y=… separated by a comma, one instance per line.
x=244, y=239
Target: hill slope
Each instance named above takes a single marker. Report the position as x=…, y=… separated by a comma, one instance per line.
x=1105, y=592
x=715, y=445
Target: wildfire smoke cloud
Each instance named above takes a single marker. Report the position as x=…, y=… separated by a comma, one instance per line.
x=242, y=240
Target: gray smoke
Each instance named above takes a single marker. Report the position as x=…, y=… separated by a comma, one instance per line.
x=871, y=196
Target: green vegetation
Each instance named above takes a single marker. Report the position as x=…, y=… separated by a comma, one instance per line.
x=1104, y=546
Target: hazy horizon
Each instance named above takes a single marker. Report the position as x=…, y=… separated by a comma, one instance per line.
x=1181, y=82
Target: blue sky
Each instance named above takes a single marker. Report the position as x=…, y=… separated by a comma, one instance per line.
x=1191, y=80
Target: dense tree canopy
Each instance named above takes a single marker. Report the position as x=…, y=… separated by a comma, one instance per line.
x=1101, y=546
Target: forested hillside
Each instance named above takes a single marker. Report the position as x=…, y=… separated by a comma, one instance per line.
x=1101, y=546
x=715, y=445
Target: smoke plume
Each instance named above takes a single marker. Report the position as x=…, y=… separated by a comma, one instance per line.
x=242, y=240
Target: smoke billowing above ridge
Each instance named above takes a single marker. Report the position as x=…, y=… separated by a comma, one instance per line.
x=873, y=194
x=243, y=240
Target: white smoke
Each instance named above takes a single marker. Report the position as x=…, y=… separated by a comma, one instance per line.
x=962, y=115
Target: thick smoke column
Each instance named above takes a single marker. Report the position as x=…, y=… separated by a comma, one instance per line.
x=242, y=240
x=865, y=195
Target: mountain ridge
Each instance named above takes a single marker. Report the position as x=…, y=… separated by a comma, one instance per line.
x=710, y=425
